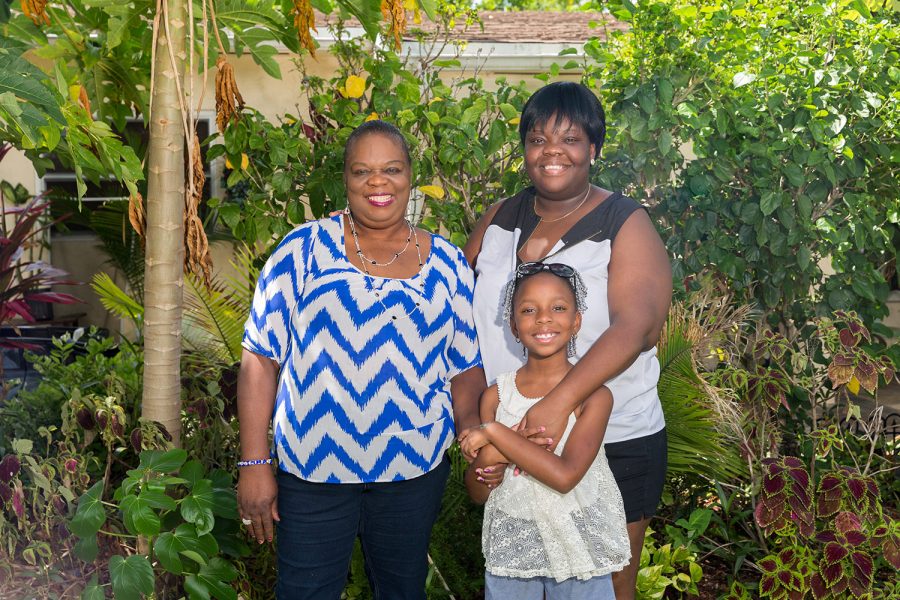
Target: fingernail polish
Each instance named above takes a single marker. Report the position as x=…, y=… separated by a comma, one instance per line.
x=489, y=470
x=541, y=429
x=481, y=479
x=549, y=440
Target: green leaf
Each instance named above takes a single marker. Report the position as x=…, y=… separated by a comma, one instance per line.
x=769, y=202
x=803, y=257
x=22, y=446
x=26, y=82
x=90, y=514
x=197, y=507
x=162, y=462
x=508, y=110
x=664, y=142
x=212, y=581
x=131, y=577
x=184, y=541
x=139, y=517
x=93, y=591
x=87, y=549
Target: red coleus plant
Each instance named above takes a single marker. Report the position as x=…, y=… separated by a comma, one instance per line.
x=846, y=562
x=845, y=489
x=887, y=537
x=786, y=575
x=849, y=359
x=768, y=386
x=835, y=559
x=785, y=500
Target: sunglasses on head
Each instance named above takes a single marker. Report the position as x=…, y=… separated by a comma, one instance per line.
x=533, y=268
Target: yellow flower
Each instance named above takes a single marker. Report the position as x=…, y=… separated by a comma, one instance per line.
x=853, y=385
x=354, y=86
x=514, y=121
x=245, y=162
x=372, y=116
x=435, y=191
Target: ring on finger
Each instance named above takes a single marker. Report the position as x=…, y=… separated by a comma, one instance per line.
x=246, y=521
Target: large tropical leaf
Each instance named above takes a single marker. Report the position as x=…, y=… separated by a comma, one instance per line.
x=116, y=300
x=696, y=427
x=215, y=315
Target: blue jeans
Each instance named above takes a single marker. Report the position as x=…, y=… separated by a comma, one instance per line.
x=547, y=588
x=320, y=522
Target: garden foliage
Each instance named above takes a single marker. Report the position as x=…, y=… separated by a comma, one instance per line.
x=761, y=135
x=764, y=135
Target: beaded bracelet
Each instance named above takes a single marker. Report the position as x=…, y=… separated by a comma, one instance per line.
x=256, y=461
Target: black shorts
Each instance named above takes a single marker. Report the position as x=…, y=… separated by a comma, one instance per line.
x=639, y=466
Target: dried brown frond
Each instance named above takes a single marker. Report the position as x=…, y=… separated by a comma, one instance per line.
x=229, y=102
x=196, y=245
x=304, y=21
x=36, y=10
x=395, y=14
x=137, y=215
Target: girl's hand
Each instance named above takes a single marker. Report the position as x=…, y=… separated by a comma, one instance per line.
x=461, y=437
x=475, y=439
x=491, y=475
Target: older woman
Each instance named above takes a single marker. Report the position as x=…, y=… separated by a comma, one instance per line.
x=360, y=334
x=610, y=240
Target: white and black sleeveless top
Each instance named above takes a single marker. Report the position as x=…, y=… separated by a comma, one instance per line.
x=586, y=247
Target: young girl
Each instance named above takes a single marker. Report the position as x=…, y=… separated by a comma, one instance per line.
x=559, y=532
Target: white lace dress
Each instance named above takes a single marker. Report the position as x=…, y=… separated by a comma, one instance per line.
x=531, y=530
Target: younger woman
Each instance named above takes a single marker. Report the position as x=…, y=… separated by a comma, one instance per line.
x=559, y=532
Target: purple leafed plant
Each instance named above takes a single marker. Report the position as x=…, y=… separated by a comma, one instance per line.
x=830, y=553
x=21, y=281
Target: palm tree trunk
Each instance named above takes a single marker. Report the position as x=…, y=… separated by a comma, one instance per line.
x=165, y=228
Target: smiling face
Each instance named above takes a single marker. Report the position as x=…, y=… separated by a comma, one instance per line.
x=378, y=176
x=545, y=314
x=558, y=159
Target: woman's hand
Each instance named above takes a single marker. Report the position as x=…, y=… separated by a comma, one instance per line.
x=257, y=495
x=541, y=426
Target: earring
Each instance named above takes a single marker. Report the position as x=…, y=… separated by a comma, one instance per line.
x=593, y=160
x=524, y=351
x=570, y=346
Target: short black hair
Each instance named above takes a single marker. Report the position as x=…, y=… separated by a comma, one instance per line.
x=377, y=126
x=568, y=101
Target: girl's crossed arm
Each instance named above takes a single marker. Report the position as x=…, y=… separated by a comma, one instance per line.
x=486, y=455
x=562, y=473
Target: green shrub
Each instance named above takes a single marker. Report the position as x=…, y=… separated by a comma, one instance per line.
x=83, y=364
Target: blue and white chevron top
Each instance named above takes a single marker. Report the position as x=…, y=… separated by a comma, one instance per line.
x=362, y=397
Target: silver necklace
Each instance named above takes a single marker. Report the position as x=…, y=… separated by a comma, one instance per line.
x=365, y=259
x=580, y=204
x=370, y=280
